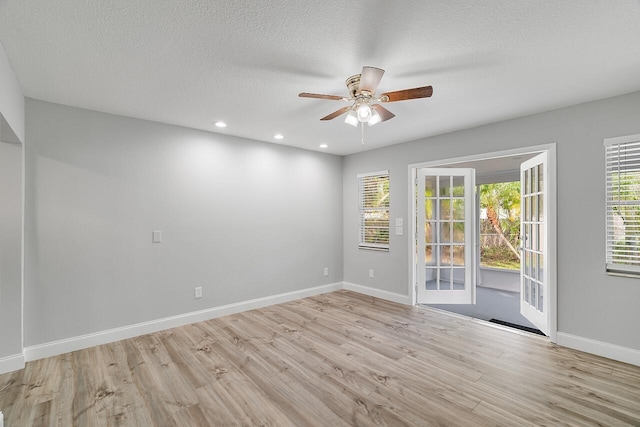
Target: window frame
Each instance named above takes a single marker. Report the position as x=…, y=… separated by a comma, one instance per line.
x=363, y=210
x=614, y=165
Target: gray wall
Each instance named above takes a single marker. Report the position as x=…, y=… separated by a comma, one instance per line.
x=243, y=219
x=11, y=130
x=246, y=219
x=591, y=304
x=10, y=249
x=11, y=98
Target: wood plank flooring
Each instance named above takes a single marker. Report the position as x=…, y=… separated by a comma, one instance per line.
x=337, y=359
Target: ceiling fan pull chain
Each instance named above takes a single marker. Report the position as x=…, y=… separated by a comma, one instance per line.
x=362, y=127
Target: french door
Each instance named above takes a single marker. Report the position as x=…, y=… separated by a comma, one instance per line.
x=445, y=236
x=534, y=276
x=446, y=227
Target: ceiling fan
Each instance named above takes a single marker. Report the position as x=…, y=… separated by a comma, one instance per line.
x=364, y=106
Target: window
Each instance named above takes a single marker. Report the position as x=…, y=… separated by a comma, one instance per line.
x=622, y=157
x=373, y=196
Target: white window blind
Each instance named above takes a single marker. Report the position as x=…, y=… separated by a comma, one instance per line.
x=622, y=158
x=373, y=196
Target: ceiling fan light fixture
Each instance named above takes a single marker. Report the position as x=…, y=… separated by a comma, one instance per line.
x=364, y=112
x=352, y=119
x=375, y=118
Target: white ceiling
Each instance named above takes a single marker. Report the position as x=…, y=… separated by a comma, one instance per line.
x=193, y=62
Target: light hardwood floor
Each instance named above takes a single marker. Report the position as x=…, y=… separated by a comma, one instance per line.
x=332, y=360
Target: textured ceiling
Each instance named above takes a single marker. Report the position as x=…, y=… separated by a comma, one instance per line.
x=193, y=62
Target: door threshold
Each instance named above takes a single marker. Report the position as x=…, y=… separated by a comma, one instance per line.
x=484, y=322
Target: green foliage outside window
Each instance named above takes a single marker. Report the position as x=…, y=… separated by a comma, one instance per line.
x=500, y=231
x=625, y=218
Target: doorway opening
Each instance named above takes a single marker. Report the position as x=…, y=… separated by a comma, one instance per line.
x=499, y=240
x=496, y=261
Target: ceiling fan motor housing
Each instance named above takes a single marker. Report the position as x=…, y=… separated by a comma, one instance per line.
x=353, y=83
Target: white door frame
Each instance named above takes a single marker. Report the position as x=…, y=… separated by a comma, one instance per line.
x=550, y=149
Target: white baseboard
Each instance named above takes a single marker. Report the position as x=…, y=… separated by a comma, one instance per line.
x=378, y=293
x=55, y=348
x=611, y=351
x=11, y=363
x=16, y=362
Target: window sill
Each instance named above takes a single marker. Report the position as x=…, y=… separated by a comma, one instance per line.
x=370, y=248
x=629, y=275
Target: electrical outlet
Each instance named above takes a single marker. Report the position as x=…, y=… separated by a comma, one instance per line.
x=370, y=274
x=197, y=292
x=326, y=271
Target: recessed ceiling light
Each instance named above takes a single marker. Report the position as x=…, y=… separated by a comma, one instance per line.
x=278, y=136
x=324, y=146
x=221, y=124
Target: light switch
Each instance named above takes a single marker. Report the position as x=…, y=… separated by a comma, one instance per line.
x=157, y=236
x=399, y=222
x=399, y=231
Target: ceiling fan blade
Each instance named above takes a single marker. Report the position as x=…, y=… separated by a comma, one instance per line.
x=370, y=79
x=383, y=112
x=320, y=96
x=337, y=113
x=415, y=93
